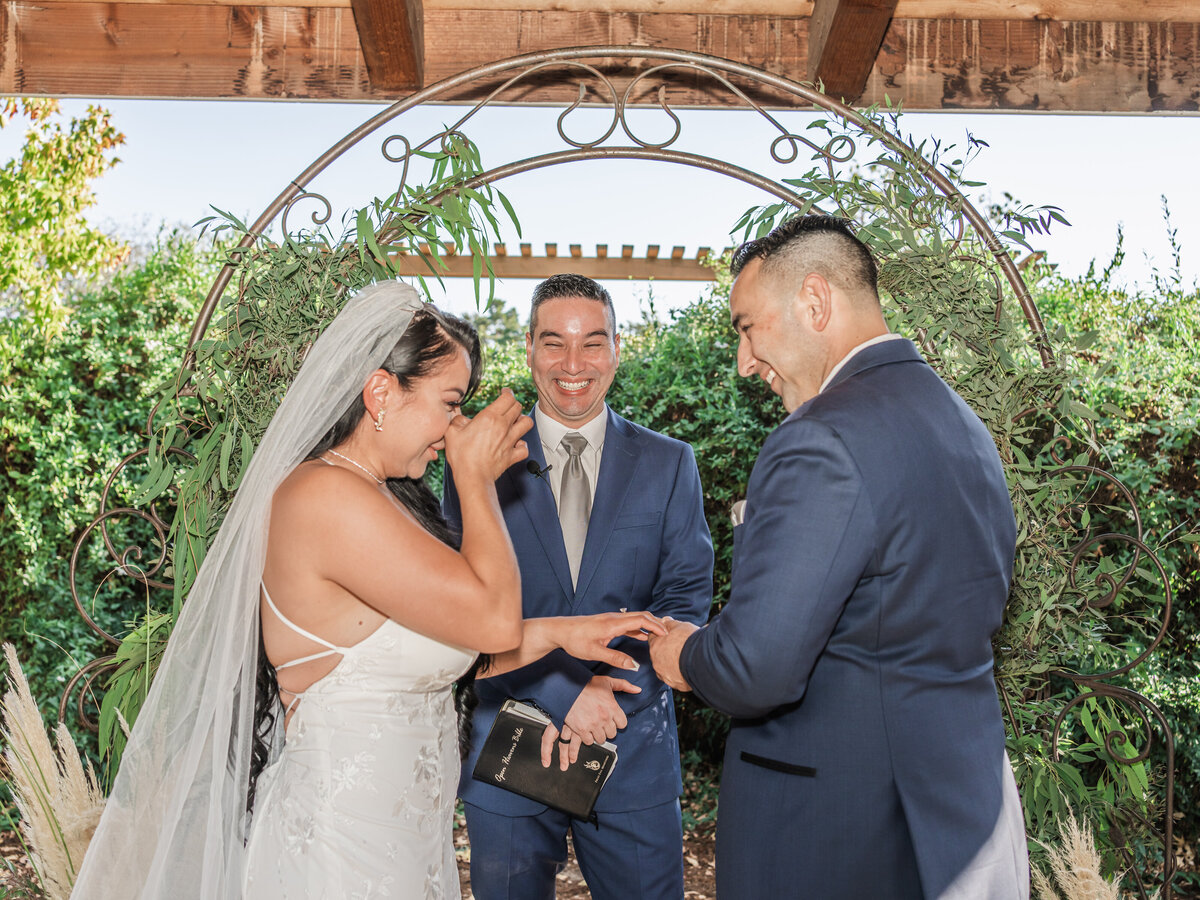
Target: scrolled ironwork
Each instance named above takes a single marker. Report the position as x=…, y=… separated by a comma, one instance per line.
x=123, y=559
x=1096, y=685
x=84, y=679
x=560, y=122
x=937, y=204
x=1081, y=550
x=405, y=159
x=526, y=67
x=128, y=559
x=160, y=525
x=320, y=216
x=666, y=108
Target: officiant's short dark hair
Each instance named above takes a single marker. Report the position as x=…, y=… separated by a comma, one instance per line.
x=569, y=284
x=853, y=266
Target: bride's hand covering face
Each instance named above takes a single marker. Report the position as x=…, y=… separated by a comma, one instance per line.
x=485, y=446
x=177, y=814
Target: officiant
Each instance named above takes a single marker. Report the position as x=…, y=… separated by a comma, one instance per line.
x=606, y=516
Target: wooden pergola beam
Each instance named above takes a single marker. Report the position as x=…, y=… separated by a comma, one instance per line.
x=600, y=266
x=93, y=49
x=844, y=38
x=1013, y=10
x=392, y=36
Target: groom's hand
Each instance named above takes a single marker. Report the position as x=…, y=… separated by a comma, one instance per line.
x=665, y=650
x=596, y=716
x=568, y=746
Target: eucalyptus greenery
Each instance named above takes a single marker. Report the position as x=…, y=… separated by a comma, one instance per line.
x=1081, y=604
x=281, y=296
x=1084, y=601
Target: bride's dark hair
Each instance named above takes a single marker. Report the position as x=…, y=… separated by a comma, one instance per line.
x=432, y=337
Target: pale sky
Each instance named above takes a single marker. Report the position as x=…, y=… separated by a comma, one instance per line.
x=183, y=156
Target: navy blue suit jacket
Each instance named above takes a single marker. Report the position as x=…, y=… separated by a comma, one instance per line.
x=854, y=653
x=648, y=547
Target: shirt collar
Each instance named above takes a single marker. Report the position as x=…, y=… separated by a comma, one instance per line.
x=551, y=431
x=870, y=342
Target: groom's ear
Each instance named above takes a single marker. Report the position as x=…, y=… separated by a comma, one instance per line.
x=815, y=301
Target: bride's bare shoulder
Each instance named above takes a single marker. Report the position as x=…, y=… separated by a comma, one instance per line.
x=315, y=483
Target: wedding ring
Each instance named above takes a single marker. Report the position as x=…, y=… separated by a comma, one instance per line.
x=564, y=740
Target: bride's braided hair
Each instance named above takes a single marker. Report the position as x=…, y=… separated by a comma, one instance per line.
x=430, y=338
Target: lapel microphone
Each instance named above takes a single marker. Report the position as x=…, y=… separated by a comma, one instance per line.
x=537, y=471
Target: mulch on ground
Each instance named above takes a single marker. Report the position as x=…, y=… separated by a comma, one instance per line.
x=699, y=873
x=15, y=870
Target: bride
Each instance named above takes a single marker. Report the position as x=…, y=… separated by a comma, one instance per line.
x=315, y=755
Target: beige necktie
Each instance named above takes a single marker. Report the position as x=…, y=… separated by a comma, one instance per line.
x=574, y=501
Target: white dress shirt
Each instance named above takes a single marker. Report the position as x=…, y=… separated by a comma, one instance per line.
x=870, y=342
x=551, y=431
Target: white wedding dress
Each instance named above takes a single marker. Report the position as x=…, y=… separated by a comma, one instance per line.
x=360, y=803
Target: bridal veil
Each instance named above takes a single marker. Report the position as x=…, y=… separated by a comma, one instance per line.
x=176, y=820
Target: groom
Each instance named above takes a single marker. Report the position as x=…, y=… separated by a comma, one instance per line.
x=866, y=758
x=607, y=515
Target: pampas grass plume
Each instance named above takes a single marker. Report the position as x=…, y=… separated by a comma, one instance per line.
x=59, y=800
x=1076, y=867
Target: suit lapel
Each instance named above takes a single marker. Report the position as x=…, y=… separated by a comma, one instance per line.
x=617, y=465
x=537, y=499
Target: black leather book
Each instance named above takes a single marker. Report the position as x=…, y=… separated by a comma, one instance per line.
x=511, y=759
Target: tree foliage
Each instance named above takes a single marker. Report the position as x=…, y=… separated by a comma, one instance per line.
x=1137, y=365
x=1093, y=406
x=44, y=192
x=218, y=405
x=72, y=405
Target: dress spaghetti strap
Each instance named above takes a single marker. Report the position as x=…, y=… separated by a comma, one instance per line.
x=331, y=648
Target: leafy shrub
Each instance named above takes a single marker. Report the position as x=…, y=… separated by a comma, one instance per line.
x=72, y=405
x=1138, y=370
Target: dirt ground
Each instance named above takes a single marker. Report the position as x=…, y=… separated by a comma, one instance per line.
x=699, y=874
x=14, y=868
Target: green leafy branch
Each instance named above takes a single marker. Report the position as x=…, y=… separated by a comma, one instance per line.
x=943, y=288
x=283, y=294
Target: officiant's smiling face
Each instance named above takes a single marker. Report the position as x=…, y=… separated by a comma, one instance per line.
x=573, y=354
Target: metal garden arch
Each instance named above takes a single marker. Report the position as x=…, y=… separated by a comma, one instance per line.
x=618, y=79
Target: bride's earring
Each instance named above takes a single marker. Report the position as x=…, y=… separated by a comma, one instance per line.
x=379, y=420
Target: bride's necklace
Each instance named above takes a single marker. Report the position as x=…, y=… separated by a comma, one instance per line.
x=355, y=462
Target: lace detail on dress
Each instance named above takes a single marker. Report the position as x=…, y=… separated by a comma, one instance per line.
x=361, y=801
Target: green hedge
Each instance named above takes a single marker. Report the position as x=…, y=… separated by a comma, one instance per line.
x=72, y=405
x=1140, y=373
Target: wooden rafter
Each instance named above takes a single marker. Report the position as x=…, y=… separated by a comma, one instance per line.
x=392, y=36
x=601, y=266
x=1013, y=10
x=844, y=38
x=930, y=59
